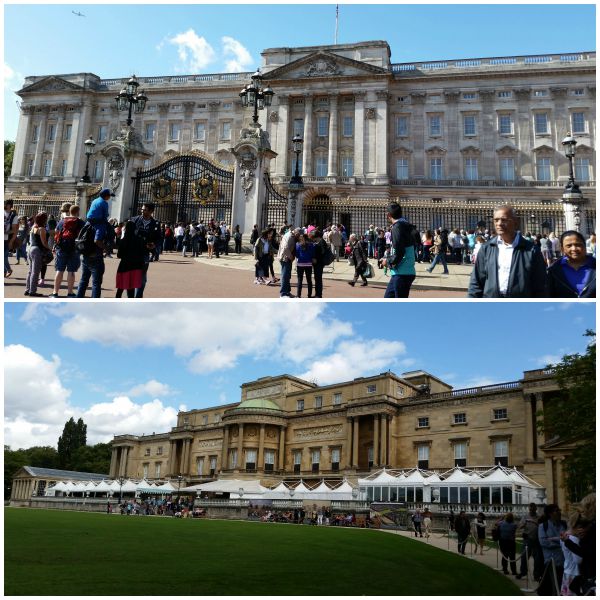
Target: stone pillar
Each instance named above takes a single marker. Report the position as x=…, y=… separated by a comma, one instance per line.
x=282, y=136
x=171, y=462
x=381, y=137
x=530, y=438
x=62, y=111
x=113, y=463
x=162, y=127
x=185, y=140
x=185, y=457
x=376, y=442
x=282, y=448
x=356, y=428
x=488, y=135
x=123, y=462
x=453, y=128
x=332, y=162
x=539, y=405
x=19, y=166
x=574, y=209
x=225, y=448
x=359, y=134
x=39, y=147
x=307, y=169
x=295, y=202
x=418, y=127
x=240, y=445
x=348, y=452
x=524, y=135
x=261, y=447
x=383, y=437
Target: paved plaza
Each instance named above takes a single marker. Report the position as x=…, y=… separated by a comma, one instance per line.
x=233, y=277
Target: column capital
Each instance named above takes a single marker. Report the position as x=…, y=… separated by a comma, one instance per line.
x=487, y=95
x=522, y=93
x=382, y=95
x=418, y=97
x=451, y=96
x=308, y=98
x=360, y=95
x=163, y=108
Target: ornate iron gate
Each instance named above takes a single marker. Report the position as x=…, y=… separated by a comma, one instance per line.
x=275, y=206
x=185, y=188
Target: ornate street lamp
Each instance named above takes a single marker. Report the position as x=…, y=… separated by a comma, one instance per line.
x=569, y=144
x=256, y=96
x=297, y=142
x=129, y=98
x=179, y=478
x=121, y=482
x=89, y=145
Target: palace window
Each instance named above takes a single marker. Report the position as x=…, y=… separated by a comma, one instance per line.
x=30, y=168
x=543, y=169
x=505, y=124
x=423, y=456
x=469, y=96
x=233, y=458
x=250, y=459
x=335, y=459
x=347, y=166
x=35, y=134
x=227, y=105
x=157, y=467
x=469, y=125
x=68, y=132
x=269, y=460
x=298, y=127
x=63, y=168
x=400, y=391
x=318, y=401
x=500, y=414
x=507, y=169
x=315, y=459
x=174, y=132
x=505, y=94
x=204, y=419
x=297, y=461
x=98, y=169
x=540, y=121
x=422, y=422
x=371, y=389
x=159, y=450
x=226, y=131
x=460, y=454
x=200, y=465
x=370, y=456
x=436, y=168
x=459, y=418
x=582, y=169
x=145, y=468
x=402, y=168
x=147, y=452
x=347, y=126
x=322, y=126
x=102, y=131
x=175, y=107
x=48, y=166
x=578, y=122
x=186, y=420
x=435, y=125
x=200, y=132
x=578, y=92
x=299, y=405
x=501, y=453
x=149, y=131
x=321, y=166
x=471, y=172
x=337, y=399
x=540, y=93
x=217, y=418
x=401, y=126
x=213, y=465
x=51, y=132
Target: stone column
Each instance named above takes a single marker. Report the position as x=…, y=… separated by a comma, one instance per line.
x=348, y=452
x=307, y=169
x=539, y=405
x=240, y=445
x=185, y=457
x=171, y=460
x=261, y=447
x=113, y=463
x=381, y=136
x=376, y=440
x=19, y=166
x=62, y=111
x=530, y=437
x=524, y=135
x=454, y=170
x=39, y=147
x=418, y=127
x=185, y=142
x=123, y=462
x=383, y=437
x=282, y=448
x=282, y=136
x=332, y=162
x=225, y=448
x=162, y=127
x=359, y=134
x=355, y=442
x=488, y=135
x=81, y=129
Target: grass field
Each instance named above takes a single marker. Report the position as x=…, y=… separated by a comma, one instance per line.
x=70, y=553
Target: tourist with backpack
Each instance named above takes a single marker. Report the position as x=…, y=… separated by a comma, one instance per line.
x=67, y=257
x=237, y=238
x=370, y=237
x=131, y=250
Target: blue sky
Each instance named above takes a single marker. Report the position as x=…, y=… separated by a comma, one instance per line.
x=128, y=368
x=116, y=40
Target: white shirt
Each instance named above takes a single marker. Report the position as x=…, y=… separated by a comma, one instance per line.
x=505, y=254
x=179, y=230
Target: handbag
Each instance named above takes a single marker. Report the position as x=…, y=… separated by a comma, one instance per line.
x=47, y=256
x=368, y=272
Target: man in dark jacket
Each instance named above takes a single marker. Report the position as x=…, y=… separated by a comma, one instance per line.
x=148, y=229
x=508, y=266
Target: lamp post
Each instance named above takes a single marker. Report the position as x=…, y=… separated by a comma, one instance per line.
x=256, y=96
x=129, y=98
x=297, y=142
x=179, y=478
x=241, y=493
x=89, y=150
x=121, y=482
x=569, y=144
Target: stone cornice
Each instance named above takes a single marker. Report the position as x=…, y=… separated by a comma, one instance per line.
x=417, y=406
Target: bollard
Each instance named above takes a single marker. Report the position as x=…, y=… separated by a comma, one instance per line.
x=528, y=589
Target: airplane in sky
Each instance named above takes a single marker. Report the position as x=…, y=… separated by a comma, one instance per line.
x=78, y=13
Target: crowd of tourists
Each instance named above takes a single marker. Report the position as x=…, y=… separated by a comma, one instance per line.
x=563, y=552
x=509, y=264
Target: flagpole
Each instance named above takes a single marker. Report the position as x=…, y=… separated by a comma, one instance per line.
x=337, y=12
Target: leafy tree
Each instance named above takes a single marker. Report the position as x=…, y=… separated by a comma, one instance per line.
x=570, y=417
x=74, y=436
x=37, y=456
x=92, y=459
x=9, y=151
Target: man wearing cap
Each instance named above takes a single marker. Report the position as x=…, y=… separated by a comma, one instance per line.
x=97, y=215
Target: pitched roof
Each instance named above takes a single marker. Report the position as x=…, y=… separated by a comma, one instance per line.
x=64, y=475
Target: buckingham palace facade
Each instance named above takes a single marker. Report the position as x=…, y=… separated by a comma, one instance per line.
x=285, y=428
x=448, y=139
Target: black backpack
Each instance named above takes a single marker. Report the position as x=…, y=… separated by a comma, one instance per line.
x=328, y=256
x=84, y=242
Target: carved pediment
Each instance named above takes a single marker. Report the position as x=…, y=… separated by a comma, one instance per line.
x=401, y=150
x=51, y=83
x=323, y=64
x=584, y=148
x=506, y=150
x=435, y=150
x=543, y=148
x=470, y=150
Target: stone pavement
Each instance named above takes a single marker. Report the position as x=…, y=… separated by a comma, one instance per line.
x=491, y=556
x=456, y=281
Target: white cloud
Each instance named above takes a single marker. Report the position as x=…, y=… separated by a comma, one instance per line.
x=548, y=359
x=194, y=51
x=241, y=61
x=150, y=388
x=355, y=358
x=13, y=80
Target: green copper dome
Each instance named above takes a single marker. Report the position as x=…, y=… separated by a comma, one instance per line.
x=258, y=403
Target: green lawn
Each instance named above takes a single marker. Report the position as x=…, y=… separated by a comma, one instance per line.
x=69, y=553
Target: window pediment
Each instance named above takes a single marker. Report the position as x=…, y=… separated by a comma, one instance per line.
x=506, y=150
x=401, y=150
x=470, y=150
x=544, y=149
x=435, y=150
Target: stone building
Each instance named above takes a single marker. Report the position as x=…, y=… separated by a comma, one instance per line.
x=288, y=428
x=449, y=139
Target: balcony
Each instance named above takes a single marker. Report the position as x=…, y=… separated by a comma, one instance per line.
x=474, y=391
x=516, y=183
